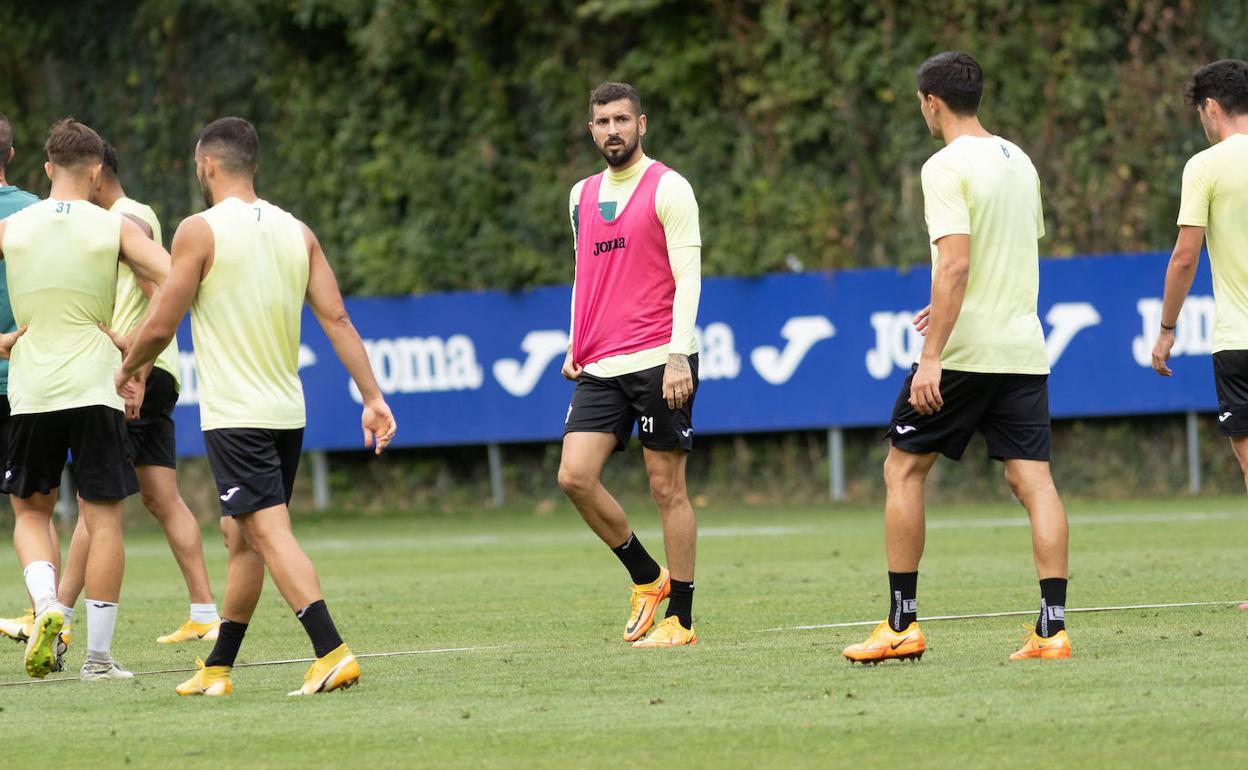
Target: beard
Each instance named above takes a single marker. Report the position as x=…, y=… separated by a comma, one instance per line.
x=203, y=188
x=617, y=154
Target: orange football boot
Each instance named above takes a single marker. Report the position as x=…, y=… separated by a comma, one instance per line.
x=1048, y=648
x=645, y=601
x=886, y=644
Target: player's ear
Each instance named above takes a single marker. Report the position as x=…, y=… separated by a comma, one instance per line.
x=47, y=168
x=12, y=154
x=641, y=124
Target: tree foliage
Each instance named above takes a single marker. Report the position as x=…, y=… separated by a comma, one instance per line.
x=432, y=144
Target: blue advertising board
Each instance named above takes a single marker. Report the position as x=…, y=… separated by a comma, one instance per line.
x=780, y=352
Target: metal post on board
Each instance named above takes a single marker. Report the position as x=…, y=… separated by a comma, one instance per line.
x=836, y=464
x=67, y=500
x=1193, y=454
x=320, y=481
x=495, y=454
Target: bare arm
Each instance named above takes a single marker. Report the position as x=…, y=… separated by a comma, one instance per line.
x=143, y=255
x=192, y=249
x=325, y=299
x=7, y=340
x=1179, y=277
x=953, y=269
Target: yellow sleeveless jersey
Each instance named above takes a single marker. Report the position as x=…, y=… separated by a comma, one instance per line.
x=131, y=302
x=245, y=319
x=61, y=258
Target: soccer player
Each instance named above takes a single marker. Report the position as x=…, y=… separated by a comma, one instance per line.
x=633, y=355
x=61, y=259
x=152, y=439
x=1215, y=199
x=244, y=268
x=13, y=199
x=983, y=365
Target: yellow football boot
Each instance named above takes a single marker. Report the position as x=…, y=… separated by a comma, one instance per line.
x=18, y=629
x=886, y=644
x=645, y=603
x=212, y=681
x=1046, y=648
x=668, y=633
x=337, y=670
x=41, y=645
x=190, y=631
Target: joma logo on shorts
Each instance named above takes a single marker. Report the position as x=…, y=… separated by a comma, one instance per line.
x=602, y=247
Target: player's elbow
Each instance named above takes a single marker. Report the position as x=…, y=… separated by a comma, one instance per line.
x=337, y=322
x=1185, y=259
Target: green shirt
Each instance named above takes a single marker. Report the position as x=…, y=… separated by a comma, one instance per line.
x=987, y=188
x=61, y=258
x=11, y=200
x=245, y=318
x=131, y=301
x=1215, y=193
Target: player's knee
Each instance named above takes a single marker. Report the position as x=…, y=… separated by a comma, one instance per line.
x=574, y=482
x=900, y=469
x=666, y=491
x=159, y=505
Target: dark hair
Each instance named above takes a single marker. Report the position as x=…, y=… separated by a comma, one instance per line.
x=956, y=78
x=6, y=141
x=71, y=143
x=110, y=159
x=1224, y=81
x=233, y=142
x=611, y=92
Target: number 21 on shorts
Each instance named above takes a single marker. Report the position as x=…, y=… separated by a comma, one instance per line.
x=647, y=425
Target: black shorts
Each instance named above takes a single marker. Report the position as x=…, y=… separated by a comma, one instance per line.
x=1230, y=377
x=96, y=438
x=254, y=467
x=152, y=436
x=1012, y=410
x=4, y=432
x=616, y=404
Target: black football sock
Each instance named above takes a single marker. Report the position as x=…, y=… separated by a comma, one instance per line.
x=229, y=639
x=681, y=603
x=1052, y=607
x=642, y=568
x=902, y=608
x=320, y=627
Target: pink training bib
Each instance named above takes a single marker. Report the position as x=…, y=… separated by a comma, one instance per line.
x=624, y=283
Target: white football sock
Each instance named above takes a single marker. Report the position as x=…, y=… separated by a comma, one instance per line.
x=101, y=620
x=204, y=613
x=68, y=612
x=41, y=584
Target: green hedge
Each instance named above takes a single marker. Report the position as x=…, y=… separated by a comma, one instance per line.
x=432, y=144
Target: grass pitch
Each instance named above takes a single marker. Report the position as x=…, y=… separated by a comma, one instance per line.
x=551, y=684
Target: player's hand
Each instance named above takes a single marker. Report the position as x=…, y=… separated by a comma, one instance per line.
x=570, y=370
x=129, y=387
x=1161, y=352
x=8, y=340
x=378, y=424
x=921, y=320
x=134, y=401
x=123, y=342
x=677, y=381
x=925, y=388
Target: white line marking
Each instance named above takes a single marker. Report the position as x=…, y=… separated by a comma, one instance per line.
x=581, y=536
x=1011, y=613
x=265, y=663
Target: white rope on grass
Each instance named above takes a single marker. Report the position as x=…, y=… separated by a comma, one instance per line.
x=257, y=663
x=1012, y=613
